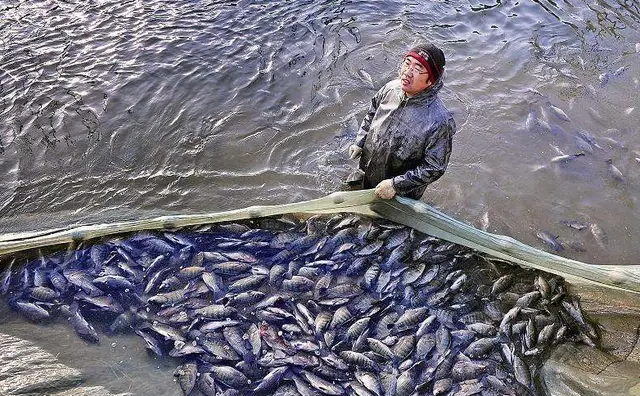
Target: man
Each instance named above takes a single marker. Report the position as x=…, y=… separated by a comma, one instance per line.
x=404, y=141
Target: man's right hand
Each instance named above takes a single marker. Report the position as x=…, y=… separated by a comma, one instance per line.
x=354, y=151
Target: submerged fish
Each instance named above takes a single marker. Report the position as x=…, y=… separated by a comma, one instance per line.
x=550, y=240
x=575, y=224
x=566, y=157
x=598, y=234
x=614, y=172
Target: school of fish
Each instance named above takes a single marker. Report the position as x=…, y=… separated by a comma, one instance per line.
x=329, y=305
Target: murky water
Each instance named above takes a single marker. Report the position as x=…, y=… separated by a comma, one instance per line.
x=120, y=110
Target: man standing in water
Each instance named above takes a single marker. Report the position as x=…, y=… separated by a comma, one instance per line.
x=404, y=141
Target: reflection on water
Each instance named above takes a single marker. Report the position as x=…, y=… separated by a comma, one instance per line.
x=125, y=110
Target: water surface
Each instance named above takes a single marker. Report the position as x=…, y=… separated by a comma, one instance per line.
x=120, y=110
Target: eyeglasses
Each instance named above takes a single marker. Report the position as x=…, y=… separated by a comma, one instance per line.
x=415, y=68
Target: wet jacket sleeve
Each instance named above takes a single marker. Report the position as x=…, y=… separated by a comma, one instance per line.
x=435, y=161
x=366, y=122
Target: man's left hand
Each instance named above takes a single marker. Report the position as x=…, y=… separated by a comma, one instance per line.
x=385, y=189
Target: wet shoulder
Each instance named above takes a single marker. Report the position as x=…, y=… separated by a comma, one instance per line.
x=441, y=114
x=391, y=88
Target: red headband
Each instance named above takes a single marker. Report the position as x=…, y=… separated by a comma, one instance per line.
x=425, y=62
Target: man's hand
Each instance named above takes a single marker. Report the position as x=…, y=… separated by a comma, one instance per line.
x=385, y=189
x=354, y=151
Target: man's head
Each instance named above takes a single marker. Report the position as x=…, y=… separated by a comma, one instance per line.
x=421, y=68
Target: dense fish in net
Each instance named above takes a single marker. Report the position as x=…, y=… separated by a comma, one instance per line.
x=330, y=305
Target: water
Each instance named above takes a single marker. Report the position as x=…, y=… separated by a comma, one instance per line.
x=113, y=111
x=120, y=110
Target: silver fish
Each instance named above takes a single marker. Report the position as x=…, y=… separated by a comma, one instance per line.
x=564, y=158
x=501, y=284
x=465, y=370
x=480, y=347
x=271, y=380
x=380, y=348
x=558, y=112
x=322, y=385
x=614, y=172
x=550, y=239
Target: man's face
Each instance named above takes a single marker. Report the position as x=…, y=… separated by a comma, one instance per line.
x=414, y=77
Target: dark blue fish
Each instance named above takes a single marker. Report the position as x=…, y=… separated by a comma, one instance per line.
x=152, y=343
x=82, y=280
x=113, y=282
x=102, y=302
x=30, y=310
x=158, y=263
x=122, y=322
x=80, y=324
x=43, y=293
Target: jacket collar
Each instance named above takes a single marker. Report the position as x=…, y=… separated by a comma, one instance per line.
x=427, y=96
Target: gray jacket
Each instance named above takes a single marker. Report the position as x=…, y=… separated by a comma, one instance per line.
x=405, y=138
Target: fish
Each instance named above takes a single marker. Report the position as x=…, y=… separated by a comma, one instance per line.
x=298, y=284
x=558, y=112
x=215, y=311
x=230, y=267
x=527, y=299
x=104, y=303
x=365, y=77
x=271, y=380
x=151, y=343
x=484, y=221
x=534, y=124
x=575, y=224
x=614, y=172
x=324, y=386
x=550, y=240
x=32, y=311
x=442, y=386
x=542, y=286
x=598, y=234
x=480, y=347
x=113, y=282
x=187, y=375
x=521, y=370
x=83, y=328
x=43, y=293
x=370, y=381
x=230, y=376
x=464, y=370
x=250, y=282
x=327, y=305
x=501, y=284
x=82, y=280
x=404, y=347
x=410, y=318
x=359, y=360
x=380, y=348
x=5, y=278
x=206, y=384
x=566, y=157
